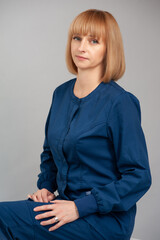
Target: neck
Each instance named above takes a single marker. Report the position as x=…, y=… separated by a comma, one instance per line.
x=87, y=79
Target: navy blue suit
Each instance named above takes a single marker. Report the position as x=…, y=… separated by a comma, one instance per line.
x=95, y=154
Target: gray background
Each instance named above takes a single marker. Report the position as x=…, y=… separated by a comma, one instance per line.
x=33, y=35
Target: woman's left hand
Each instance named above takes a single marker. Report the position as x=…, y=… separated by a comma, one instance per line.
x=66, y=211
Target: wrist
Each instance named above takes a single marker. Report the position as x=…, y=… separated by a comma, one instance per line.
x=76, y=209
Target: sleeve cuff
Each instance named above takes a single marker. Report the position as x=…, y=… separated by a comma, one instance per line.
x=86, y=205
x=47, y=185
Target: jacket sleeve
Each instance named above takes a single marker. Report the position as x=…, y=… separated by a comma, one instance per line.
x=47, y=176
x=126, y=134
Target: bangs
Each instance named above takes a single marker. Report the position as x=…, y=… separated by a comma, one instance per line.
x=92, y=23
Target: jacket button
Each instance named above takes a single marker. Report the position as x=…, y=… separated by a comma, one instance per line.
x=88, y=192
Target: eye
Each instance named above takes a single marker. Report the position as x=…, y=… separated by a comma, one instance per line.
x=76, y=38
x=94, y=41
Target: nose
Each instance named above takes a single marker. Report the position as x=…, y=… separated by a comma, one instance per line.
x=83, y=45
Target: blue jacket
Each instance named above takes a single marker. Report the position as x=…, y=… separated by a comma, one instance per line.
x=95, y=154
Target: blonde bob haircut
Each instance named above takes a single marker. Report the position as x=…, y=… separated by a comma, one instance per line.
x=100, y=24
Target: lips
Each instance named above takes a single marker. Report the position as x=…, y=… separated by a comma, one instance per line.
x=81, y=58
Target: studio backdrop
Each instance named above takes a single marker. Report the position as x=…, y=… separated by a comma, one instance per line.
x=33, y=37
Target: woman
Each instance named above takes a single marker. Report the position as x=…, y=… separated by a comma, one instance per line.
x=94, y=151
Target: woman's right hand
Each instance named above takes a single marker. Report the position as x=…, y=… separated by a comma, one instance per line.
x=42, y=195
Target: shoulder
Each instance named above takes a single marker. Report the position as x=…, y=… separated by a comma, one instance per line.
x=62, y=89
x=123, y=102
x=118, y=93
x=64, y=86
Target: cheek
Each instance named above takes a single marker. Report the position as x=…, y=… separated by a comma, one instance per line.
x=101, y=54
x=72, y=51
x=74, y=46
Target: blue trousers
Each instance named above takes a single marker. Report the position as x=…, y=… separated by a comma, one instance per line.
x=17, y=221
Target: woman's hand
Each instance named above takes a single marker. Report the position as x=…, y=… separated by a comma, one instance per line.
x=42, y=195
x=66, y=211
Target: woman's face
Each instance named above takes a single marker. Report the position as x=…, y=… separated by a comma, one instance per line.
x=87, y=52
